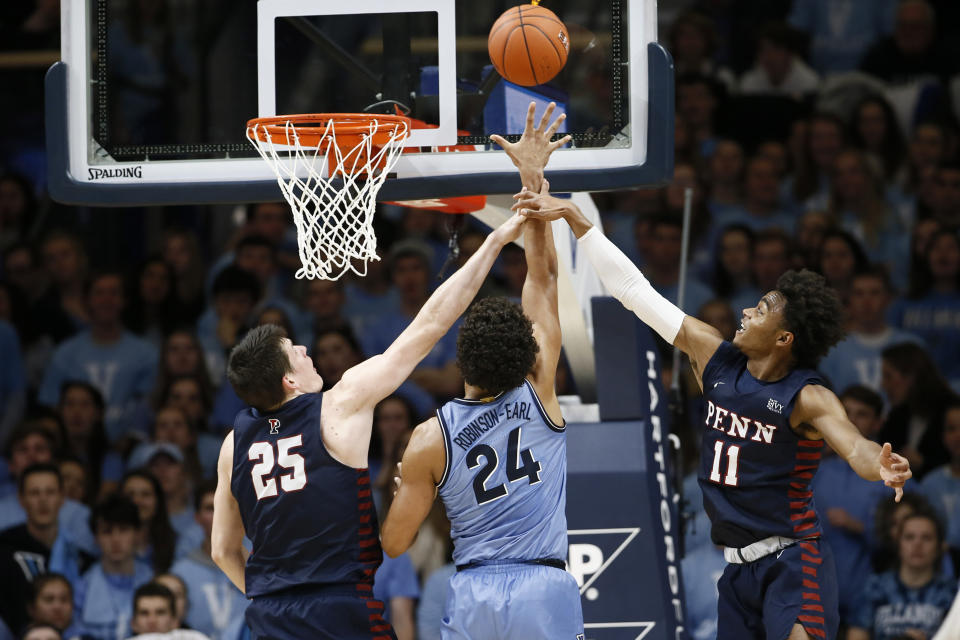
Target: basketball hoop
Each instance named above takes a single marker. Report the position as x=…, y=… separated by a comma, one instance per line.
x=310, y=154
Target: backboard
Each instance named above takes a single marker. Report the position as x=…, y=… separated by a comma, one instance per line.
x=150, y=101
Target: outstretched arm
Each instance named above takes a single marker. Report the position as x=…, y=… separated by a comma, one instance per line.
x=364, y=385
x=540, y=304
x=421, y=469
x=226, y=540
x=624, y=280
x=820, y=408
x=531, y=153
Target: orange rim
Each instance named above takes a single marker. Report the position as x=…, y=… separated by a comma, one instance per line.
x=312, y=127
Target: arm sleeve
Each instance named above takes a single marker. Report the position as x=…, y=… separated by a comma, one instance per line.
x=625, y=283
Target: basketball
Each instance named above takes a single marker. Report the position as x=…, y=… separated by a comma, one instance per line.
x=528, y=45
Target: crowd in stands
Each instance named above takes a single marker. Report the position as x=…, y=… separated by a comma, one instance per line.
x=818, y=134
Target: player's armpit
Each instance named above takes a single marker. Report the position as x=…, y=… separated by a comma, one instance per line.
x=699, y=341
x=422, y=468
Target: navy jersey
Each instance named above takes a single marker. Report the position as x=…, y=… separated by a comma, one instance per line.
x=755, y=471
x=505, y=482
x=310, y=517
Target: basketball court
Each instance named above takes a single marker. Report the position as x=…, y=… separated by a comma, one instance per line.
x=420, y=73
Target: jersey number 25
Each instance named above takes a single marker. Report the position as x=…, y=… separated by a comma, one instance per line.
x=520, y=464
x=263, y=453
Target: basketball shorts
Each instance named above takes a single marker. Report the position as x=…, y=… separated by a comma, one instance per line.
x=513, y=602
x=762, y=600
x=319, y=613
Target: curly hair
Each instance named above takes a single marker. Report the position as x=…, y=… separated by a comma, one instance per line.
x=496, y=348
x=812, y=314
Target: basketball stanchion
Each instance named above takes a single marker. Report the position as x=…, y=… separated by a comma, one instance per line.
x=330, y=168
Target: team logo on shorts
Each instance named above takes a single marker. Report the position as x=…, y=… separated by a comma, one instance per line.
x=274, y=426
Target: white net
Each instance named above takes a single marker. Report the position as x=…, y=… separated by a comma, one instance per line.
x=332, y=191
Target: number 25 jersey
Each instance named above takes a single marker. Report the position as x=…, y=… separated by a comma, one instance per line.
x=755, y=471
x=505, y=482
x=310, y=518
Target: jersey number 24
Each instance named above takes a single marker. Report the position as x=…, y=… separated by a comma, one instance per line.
x=520, y=464
x=263, y=453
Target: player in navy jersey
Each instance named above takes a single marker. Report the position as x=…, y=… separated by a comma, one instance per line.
x=497, y=456
x=767, y=417
x=292, y=474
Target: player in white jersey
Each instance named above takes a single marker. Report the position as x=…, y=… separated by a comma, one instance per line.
x=497, y=457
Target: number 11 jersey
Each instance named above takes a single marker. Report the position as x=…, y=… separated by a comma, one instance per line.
x=505, y=482
x=310, y=518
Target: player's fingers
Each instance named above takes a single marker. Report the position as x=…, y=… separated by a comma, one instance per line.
x=556, y=124
x=500, y=141
x=531, y=111
x=545, y=118
x=544, y=187
x=886, y=450
x=556, y=144
x=898, y=494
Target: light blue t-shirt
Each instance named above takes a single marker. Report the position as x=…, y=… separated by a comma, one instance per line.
x=505, y=482
x=123, y=371
x=942, y=488
x=701, y=570
x=213, y=601
x=842, y=30
x=103, y=603
x=395, y=578
x=935, y=318
x=695, y=295
x=837, y=485
x=856, y=359
x=379, y=335
x=888, y=608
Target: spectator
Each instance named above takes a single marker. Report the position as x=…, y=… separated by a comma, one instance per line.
x=181, y=355
x=75, y=481
x=779, y=70
x=662, y=266
x=761, y=207
x=721, y=316
x=200, y=450
x=726, y=177
x=437, y=374
x=18, y=208
x=81, y=410
x=37, y=546
x=771, y=258
x=946, y=201
x=30, y=445
x=841, y=256
x=103, y=597
x=153, y=311
x=395, y=584
x=62, y=308
x=432, y=602
x=13, y=380
x=931, y=143
x=190, y=395
x=235, y=292
x=214, y=602
x=733, y=272
x=106, y=355
x=886, y=527
x=847, y=503
x=272, y=220
x=931, y=309
x=701, y=569
x=156, y=540
x=178, y=588
x=697, y=101
x=857, y=202
x=166, y=463
x=693, y=42
x=856, y=360
x=913, y=598
x=153, y=609
x=840, y=31
x=942, y=485
x=370, y=296
x=21, y=269
x=820, y=141
x=182, y=252
x=256, y=255
x=393, y=422
x=918, y=397
x=874, y=129
x=51, y=603
x=912, y=51
x=324, y=302
x=811, y=229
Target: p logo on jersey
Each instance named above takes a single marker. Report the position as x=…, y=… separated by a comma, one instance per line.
x=274, y=426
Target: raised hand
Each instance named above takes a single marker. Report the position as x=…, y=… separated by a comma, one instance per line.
x=540, y=206
x=531, y=153
x=894, y=469
x=510, y=230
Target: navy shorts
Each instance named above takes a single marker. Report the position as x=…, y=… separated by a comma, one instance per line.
x=762, y=600
x=320, y=613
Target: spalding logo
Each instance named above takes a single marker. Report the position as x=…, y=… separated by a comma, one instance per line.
x=562, y=37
